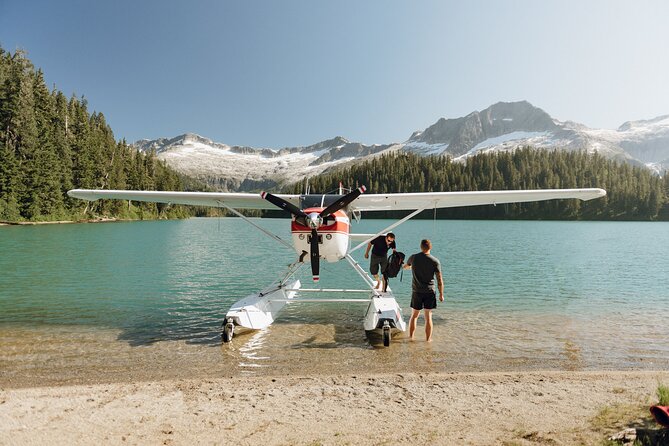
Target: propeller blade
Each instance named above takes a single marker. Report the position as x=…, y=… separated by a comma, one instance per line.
x=315, y=255
x=283, y=204
x=342, y=202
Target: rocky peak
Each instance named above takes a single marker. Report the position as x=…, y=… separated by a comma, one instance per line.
x=461, y=134
x=164, y=144
x=506, y=117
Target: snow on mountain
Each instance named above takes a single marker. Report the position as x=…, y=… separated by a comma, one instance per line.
x=460, y=136
x=646, y=141
x=227, y=167
x=506, y=126
x=509, y=141
x=501, y=127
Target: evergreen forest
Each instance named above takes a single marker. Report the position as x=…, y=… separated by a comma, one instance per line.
x=50, y=144
x=633, y=193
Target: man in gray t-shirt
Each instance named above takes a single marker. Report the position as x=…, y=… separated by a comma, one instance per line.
x=425, y=268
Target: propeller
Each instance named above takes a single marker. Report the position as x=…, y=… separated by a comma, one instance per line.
x=314, y=221
x=342, y=202
x=287, y=206
x=315, y=255
x=283, y=204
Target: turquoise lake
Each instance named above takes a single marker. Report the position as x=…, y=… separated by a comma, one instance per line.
x=145, y=300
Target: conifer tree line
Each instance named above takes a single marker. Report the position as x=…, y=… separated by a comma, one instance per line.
x=50, y=144
x=633, y=193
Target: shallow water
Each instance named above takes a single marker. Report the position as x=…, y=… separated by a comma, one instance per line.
x=145, y=300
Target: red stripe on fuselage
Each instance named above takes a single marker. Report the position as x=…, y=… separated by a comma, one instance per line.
x=336, y=226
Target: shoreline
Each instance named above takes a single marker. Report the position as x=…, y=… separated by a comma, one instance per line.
x=483, y=408
x=113, y=219
x=61, y=222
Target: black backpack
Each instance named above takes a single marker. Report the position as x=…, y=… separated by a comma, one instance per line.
x=395, y=262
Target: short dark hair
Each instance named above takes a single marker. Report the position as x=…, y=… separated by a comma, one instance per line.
x=391, y=235
x=425, y=244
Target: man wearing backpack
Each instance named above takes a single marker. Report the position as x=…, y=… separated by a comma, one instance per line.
x=380, y=246
x=425, y=267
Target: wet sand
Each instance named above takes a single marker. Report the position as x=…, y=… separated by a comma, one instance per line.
x=57, y=355
x=407, y=408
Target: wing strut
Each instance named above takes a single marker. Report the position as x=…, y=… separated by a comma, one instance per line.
x=248, y=220
x=358, y=269
x=384, y=230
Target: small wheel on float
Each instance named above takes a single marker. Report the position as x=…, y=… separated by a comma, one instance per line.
x=228, y=331
x=386, y=334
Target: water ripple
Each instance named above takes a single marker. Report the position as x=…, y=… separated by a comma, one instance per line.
x=520, y=295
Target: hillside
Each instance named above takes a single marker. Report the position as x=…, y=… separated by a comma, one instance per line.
x=499, y=128
x=633, y=193
x=506, y=126
x=50, y=144
x=231, y=168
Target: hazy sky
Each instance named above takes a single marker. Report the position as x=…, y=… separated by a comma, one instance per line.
x=283, y=73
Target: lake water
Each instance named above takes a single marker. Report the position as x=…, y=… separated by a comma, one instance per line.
x=86, y=303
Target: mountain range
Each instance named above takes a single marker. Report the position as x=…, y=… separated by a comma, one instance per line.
x=500, y=127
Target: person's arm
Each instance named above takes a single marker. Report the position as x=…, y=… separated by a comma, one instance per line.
x=408, y=264
x=369, y=246
x=440, y=284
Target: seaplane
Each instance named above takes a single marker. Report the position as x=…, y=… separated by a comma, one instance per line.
x=320, y=228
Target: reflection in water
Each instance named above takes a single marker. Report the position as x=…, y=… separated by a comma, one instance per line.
x=251, y=349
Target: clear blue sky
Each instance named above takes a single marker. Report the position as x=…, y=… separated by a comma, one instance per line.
x=284, y=73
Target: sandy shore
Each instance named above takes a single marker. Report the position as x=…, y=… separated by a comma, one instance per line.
x=480, y=409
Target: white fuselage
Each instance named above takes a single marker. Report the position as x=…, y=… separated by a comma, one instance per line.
x=333, y=235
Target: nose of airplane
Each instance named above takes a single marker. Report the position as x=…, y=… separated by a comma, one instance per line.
x=314, y=220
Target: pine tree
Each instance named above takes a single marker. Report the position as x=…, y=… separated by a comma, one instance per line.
x=633, y=193
x=44, y=175
x=61, y=144
x=49, y=145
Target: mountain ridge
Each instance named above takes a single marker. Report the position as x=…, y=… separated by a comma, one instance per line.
x=501, y=127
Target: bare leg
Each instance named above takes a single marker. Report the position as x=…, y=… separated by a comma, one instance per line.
x=428, y=325
x=378, y=282
x=412, y=322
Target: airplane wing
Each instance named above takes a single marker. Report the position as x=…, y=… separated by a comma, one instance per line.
x=365, y=202
x=430, y=200
x=215, y=199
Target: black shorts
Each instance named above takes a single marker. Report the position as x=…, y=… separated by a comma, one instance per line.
x=377, y=261
x=427, y=300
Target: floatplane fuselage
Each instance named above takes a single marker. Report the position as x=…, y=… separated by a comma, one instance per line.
x=320, y=229
x=333, y=235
